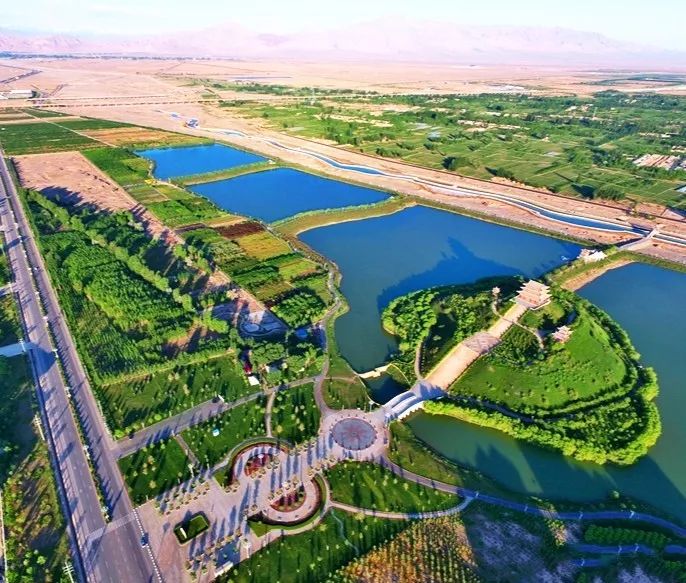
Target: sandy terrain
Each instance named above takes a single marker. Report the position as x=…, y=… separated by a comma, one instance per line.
x=90, y=78
x=138, y=90
x=70, y=174
x=125, y=136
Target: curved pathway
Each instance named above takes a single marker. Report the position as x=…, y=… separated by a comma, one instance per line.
x=532, y=508
x=402, y=515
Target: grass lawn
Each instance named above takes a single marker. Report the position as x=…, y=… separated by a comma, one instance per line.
x=315, y=554
x=154, y=470
x=588, y=364
x=350, y=393
x=33, y=138
x=143, y=401
x=235, y=426
x=295, y=416
x=367, y=485
x=191, y=528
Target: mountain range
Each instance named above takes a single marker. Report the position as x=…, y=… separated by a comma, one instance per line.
x=388, y=39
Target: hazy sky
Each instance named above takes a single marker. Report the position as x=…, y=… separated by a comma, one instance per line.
x=658, y=22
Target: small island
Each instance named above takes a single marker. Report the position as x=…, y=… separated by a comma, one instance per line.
x=539, y=363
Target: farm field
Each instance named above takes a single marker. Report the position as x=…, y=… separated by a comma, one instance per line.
x=574, y=146
x=173, y=206
x=33, y=138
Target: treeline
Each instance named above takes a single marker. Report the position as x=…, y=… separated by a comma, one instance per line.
x=620, y=432
x=122, y=312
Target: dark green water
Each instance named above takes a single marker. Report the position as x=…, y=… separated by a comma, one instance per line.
x=385, y=257
x=647, y=302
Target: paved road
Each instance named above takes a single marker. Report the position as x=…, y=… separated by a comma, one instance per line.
x=96, y=558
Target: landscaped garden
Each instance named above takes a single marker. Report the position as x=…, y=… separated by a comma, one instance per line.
x=587, y=396
x=369, y=486
x=295, y=415
x=434, y=321
x=154, y=469
x=191, y=528
x=144, y=400
x=213, y=440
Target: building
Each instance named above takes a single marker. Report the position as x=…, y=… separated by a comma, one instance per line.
x=533, y=295
x=591, y=255
x=18, y=94
x=562, y=334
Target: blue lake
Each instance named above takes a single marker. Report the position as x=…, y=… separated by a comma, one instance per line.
x=174, y=162
x=385, y=257
x=283, y=192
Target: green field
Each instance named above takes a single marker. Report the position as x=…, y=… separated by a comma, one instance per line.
x=33, y=138
x=145, y=400
x=295, y=416
x=172, y=205
x=517, y=375
x=154, y=470
x=372, y=487
x=569, y=145
x=235, y=426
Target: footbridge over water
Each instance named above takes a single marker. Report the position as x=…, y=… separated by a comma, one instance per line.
x=405, y=403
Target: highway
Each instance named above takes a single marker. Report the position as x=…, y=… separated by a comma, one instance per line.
x=101, y=552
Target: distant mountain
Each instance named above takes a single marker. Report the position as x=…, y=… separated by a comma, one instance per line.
x=388, y=39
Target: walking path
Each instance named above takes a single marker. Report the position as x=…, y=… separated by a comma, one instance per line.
x=466, y=352
x=174, y=425
x=403, y=515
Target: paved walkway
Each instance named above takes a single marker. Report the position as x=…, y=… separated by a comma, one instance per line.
x=229, y=509
x=402, y=515
x=174, y=425
x=466, y=352
x=533, y=509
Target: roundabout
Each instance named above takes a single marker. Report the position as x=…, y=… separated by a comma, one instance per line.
x=354, y=434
